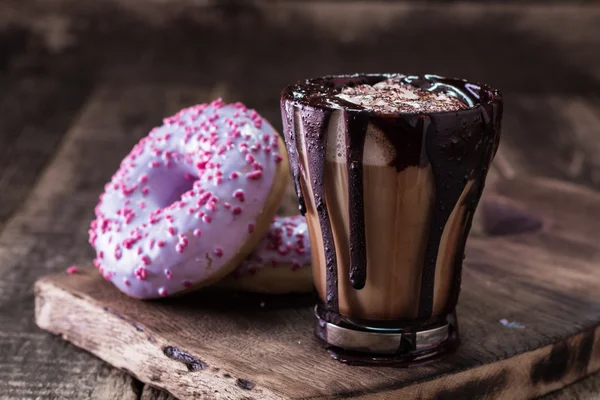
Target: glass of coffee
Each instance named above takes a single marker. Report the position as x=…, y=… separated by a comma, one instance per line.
x=389, y=169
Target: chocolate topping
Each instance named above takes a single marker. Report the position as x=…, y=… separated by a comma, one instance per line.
x=450, y=124
x=355, y=145
x=316, y=143
x=394, y=95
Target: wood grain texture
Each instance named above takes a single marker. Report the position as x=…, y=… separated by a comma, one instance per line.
x=50, y=229
x=585, y=389
x=217, y=345
x=143, y=65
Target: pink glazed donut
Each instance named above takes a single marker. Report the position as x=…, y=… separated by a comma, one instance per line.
x=281, y=262
x=190, y=201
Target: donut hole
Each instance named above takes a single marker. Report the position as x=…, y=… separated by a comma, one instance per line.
x=166, y=187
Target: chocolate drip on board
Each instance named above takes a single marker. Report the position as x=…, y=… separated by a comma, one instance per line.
x=356, y=132
x=315, y=123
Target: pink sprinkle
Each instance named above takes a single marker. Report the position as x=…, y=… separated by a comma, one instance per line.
x=201, y=164
x=154, y=164
x=155, y=151
x=227, y=205
x=141, y=273
x=236, y=210
x=250, y=158
x=278, y=158
x=191, y=210
x=168, y=274
x=218, y=252
x=197, y=233
x=180, y=248
x=218, y=180
x=189, y=177
x=187, y=284
x=250, y=227
x=211, y=206
x=146, y=260
x=183, y=239
x=126, y=282
x=206, y=218
x=239, y=194
x=265, y=137
x=204, y=198
x=254, y=175
x=162, y=292
x=145, y=191
x=72, y=269
x=172, y=231
x=160, y=243
x=151, y=244
x=234, y=175
x=143, y=178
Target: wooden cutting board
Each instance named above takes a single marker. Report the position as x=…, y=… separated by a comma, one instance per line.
x=529, y=316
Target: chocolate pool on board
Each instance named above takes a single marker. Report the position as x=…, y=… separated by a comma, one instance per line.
x=389, y=169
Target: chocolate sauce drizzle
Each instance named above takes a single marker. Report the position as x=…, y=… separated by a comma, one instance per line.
x=315, y=133
x=289, y=129
x=356, y=132
x=458, y=145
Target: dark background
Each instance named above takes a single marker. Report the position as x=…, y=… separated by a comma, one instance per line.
x=81, y=81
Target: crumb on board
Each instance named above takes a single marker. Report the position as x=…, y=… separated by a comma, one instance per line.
x=511, y=324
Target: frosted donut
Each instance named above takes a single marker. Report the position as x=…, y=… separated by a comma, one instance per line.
x=190, y=201
x=281, y=262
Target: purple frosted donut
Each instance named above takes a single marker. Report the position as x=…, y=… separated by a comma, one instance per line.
x=190, y=201
x=281, y=262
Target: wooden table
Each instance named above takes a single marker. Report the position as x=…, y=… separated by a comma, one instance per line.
x=81, y=82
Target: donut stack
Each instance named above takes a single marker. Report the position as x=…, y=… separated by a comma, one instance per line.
x=194, y=202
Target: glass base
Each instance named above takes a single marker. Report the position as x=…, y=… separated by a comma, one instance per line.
x=387, y=343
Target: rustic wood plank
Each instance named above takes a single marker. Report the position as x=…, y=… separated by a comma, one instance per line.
x=37, y=104
x=554, y=136
x=204, y=344
x=149, y=41
x=50, y=230
x=151, y=393
x=585, y=389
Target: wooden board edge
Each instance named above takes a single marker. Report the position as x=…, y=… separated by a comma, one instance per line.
x=137, y=351
x=529, y=374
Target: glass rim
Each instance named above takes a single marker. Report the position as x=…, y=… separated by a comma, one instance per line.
x=294, y=92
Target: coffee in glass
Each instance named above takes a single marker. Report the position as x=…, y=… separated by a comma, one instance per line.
x=389, y=169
